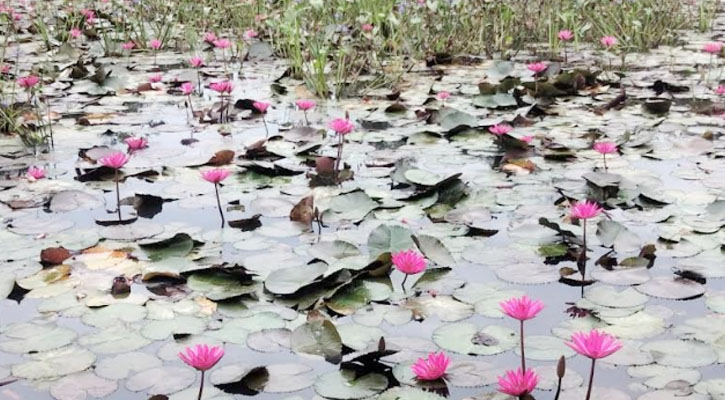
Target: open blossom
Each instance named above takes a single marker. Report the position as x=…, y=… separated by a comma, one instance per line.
x=75, y=33
x=608, y=41
x=155, y=44
x=431, y=368
x=136, y=143
x=89, y=14
x=341, y=126
x=605, y=147
x=367, y=27
x=209, y=37
x=196, y=62
x=250, y=34
x=565, y=35
x=222, y=43
x=5, y=69
x=720, y=90
x=409, y=262
x=500, y=129
x=215, y=175
x=518, y=383
x=521, y=308
x=537, y=67
x=187, y=88
x=128, y=45
x=222, y=87
x=526, y=139
x=202, y=357
x=443, y=95
x=585, y=210
x=261, y=106
x=28, y=82
x=115, y=160
x=712, y=47
x=35, y=173
x=594, y=344
x=156, y=78
x=305, y=105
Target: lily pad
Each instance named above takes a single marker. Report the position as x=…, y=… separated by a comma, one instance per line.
x=467, y=338
x=345, y=385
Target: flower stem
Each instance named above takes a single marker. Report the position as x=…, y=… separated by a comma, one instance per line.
x=584, y=254
x=191, y=107
x=523, y=356
x=403, y=284
x=218, y=202
x=201, y=386
x=339, y=158
x=604, y=157
x=266, y=130
x=118, y=196
x=306, y=120
x=591, y=380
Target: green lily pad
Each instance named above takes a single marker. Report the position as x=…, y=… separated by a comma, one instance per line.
x=345, y=385
x=81, y=386
x=177, y=246
x=32, y=338
x=467, y=338
x=319, y=338
x=389, y=238
x=290, y=280
x=121, y=366
x=55, y=363
x=681, y=353
x=162, y=380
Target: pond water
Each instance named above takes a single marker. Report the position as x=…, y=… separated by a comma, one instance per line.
x=484, y=232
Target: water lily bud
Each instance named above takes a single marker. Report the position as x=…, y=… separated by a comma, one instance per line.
x=561, y=367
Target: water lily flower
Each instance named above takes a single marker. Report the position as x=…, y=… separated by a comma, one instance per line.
x=116, y=161
x=128, y=45
x=342, y=126
x=500, y=129
x=202, y=358
x=156, y=78
x=250, y=34
x=75, y=33
x=215, y=176
x=720, y=90
x=409, y=262
x=712, y=47
x=537, y=67
x=605, y=148
x=518, y=383
x=585, y=210
x=222, y=43
x=209, y=37
x=28, y=82
x=367, y=27
x=526, y=139
x=35, y=173
x=262, y=106
x=608, y=41
x=136, y=143
x=443, y=96
x=305, y=105
x=523, y=309
x=594, y=345
x=196, y=62
x=222, y=87
x=565, y=35
x=431, y=368
x=155, y=44
x=187, y=88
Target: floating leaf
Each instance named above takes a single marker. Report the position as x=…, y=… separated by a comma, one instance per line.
x=345, y=385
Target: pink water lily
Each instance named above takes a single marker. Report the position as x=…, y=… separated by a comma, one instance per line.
x=187, y=88
x=155, y=44
x=156, y=78
x=605, y=147
x=523, y=309
x=222, y=43
x=28, y=82
x=305, y=105
x=202, y=358
x=196, y=62
x=215, y=176
x=409, y=262
x=565, y=35
x=136, y=143
x=222, y=87
x=209, y=37
x=250, y=34
x=720, y=90
x=594, y=345
x=128, y=45
x=518, y=382
x=115, y=160
x=500, y=129
x=75, y=33
x=341, y=126
x=526, y=139
x=431, y=368
x=585, y=210
x=35, y=173
x=537, y=67
x=712, y=47
x=261, y=106
x=443, y=95
x=367, y=27
x=608, y=41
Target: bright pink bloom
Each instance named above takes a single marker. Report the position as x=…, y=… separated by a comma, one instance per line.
x=209, y=37
x=521, y=308
x=443, y=95
x=305, y=105
x=28, y=82
x=594, y=344
x=342, y=126
x=250, y=34
x=215, y=175
x=196, y=62
x=526, y=139
x=187, y=88
x=89, y=14
x=5, y=69
x=222, y=43
x=500, y=129
x=155, y=44
x=585, y=209
x=222, y=87
x=261, y=106
x=431, y=368
x=75, y=33
x=128, y=45
x=155, y=78
x=605, y=147
x=35, y=173
x=720, y=90
x=367, y=27
x=712, y=47
x=565, y=35
x=136, y=143
x=202, y=357
x=409, y=262
x=608, y=41
x=115, y=160
x=537, y=67
x=518, y=383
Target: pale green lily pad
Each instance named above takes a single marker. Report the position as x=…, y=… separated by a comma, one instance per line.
x=640, y=325
x=609, y=296
x=283, y=378
x=162, y=380
x=375, y=314
x=177, y=246
x=631, y=353
x=270, y=340
x=359, y=294
x=408, y=393
x=114, y=314
x=528, y=274
x=665, y=287
x=230, y=373
x=114, y=340
x=658, y=376
x=598, y=393
x=715, y=301
x=434, y=250
x=358, y=337
x=343, y=385
x=445, y=308
x=466, y=338
x=389, y=238
x=160, y=330
x=712, y=387
x=82, y=386
x=236, y=330
x=121, y=366
x=56, y=363
x=33, y=338
x=319, y=338
x=544, y=348
x=681, y=353
x=216, y=285
x=331, y=251
x=421, y=177
x=290, y=280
